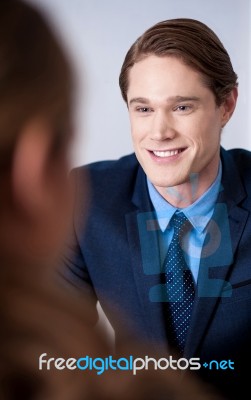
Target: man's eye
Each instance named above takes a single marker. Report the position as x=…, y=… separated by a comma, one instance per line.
x=183, y=108
x=144, y=109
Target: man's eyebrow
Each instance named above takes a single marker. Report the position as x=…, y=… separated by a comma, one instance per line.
x=144, y=100
x=139, y=100
x=183, y=98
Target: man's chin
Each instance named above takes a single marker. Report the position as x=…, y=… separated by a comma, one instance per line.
x=164, y=183
x=166, y=177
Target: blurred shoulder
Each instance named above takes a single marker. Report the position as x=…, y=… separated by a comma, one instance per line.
x=109, y=171
x=108, y=181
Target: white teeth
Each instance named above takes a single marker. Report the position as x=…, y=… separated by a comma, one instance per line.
x=168, y=153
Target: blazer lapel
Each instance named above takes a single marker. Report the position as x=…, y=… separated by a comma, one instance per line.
x=226, y=229
x=144, y=252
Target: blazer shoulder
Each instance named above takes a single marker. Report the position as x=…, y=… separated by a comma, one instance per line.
x=242, y=161
x=241, y=156
x=100, y=170
x=236, y=174
x=110, y=181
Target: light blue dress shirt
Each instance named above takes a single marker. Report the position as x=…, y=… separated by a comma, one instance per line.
x=199, y=214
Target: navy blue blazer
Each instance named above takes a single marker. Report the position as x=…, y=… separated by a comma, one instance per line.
x=114, y=258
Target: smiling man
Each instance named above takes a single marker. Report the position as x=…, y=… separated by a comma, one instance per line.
x=166, y=247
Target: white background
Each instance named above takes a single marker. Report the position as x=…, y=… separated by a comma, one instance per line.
x=98, y=33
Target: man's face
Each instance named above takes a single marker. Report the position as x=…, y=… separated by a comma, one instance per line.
x=175, y=122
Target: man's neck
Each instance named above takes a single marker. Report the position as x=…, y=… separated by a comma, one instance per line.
x=187, y=193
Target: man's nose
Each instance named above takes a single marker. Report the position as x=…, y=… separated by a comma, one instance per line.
x=162, y=126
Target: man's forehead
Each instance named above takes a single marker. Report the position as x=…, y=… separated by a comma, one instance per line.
x=153, y=67
x=165, y=78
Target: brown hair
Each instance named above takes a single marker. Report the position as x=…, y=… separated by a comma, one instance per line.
x=192, y=41
x=35, y=77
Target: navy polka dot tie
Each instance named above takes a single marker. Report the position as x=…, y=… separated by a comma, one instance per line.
x=179, y=285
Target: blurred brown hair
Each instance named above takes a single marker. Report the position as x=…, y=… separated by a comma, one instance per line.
x=35, y=77
x=192, y=41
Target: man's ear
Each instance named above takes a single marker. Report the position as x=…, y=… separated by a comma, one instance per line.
x=229, y=105
x=29, y=167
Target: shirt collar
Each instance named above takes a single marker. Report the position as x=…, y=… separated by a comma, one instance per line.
x=199, y=213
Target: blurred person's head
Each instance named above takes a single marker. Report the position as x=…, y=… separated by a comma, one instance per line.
x=36, y=90
x=36, y=100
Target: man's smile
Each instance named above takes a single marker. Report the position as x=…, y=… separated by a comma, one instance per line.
x=162, y=155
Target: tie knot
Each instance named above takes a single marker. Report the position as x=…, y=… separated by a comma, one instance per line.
x=180, y=223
